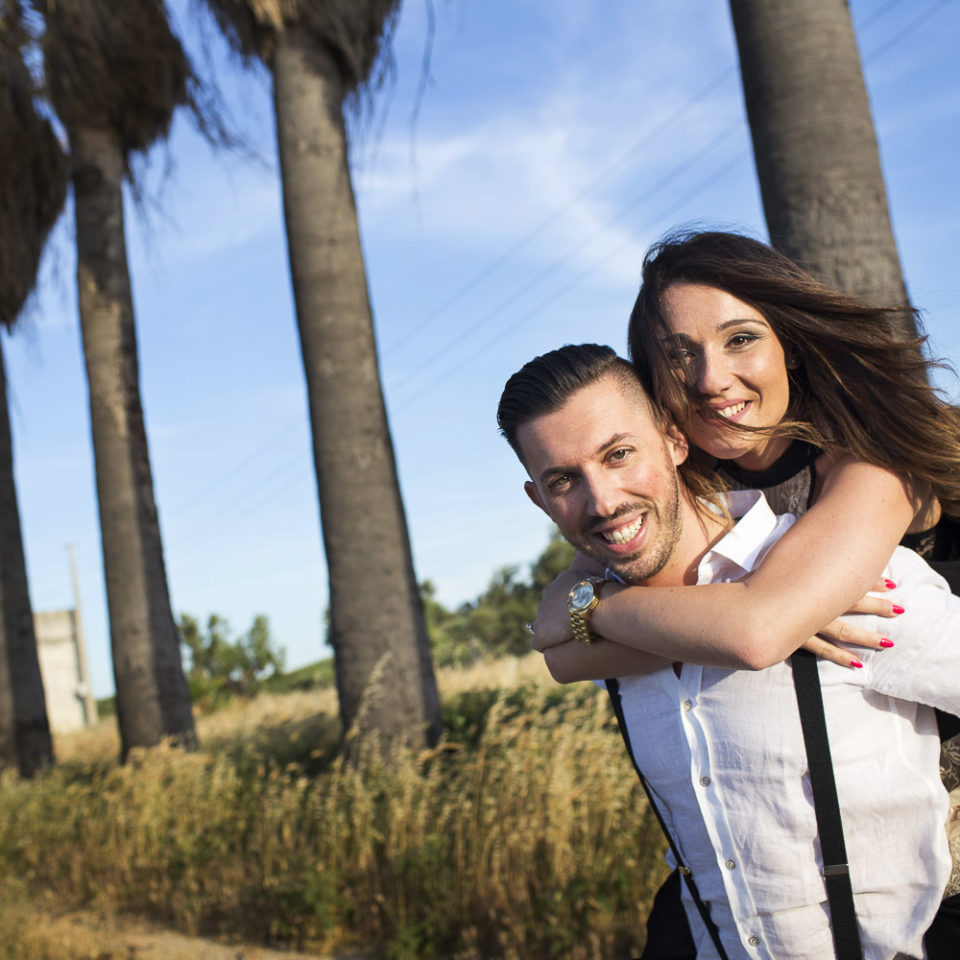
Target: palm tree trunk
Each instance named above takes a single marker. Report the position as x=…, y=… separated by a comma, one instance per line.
x=152, y=697
x=376, y=618
x=21, y=688
x=814, y=143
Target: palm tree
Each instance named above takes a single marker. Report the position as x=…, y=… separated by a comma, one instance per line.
x=116, y=73
x=32, y=190
x=814, y=143
x=320, y=53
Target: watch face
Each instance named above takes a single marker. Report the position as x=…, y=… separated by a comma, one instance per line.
x=582, y=595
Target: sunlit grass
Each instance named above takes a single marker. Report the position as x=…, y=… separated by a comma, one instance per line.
x=523, y=834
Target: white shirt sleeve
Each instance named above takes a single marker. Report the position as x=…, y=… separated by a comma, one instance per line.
x=924, y=664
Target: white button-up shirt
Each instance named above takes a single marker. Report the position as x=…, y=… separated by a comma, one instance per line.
x=724, y=755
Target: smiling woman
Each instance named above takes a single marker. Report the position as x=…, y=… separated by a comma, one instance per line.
x=729, y=352
x=749, y=353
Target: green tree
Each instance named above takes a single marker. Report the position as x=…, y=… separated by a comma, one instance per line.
x=492, y=625
x=322, y=55
x=814, y=144
x=115, y=74
x=220, y=665
x=32, y=191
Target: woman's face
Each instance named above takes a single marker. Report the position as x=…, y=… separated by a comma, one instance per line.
x=734, y=359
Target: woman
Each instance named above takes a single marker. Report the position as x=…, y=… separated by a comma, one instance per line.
x=800, y=390
x=829, y=371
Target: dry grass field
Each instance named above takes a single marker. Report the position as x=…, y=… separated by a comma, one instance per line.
x=522, y=834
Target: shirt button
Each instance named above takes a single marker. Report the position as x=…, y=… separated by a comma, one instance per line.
x=754, y=941
x=686, y=704
x=704, y=781
x=731, y=865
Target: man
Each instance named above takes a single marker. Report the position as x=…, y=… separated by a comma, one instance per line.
x=722, y=748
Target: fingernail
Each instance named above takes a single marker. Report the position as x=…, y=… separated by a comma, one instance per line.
x=886, y=643
x=896, y=608
x=855, y=663
x=889, y=584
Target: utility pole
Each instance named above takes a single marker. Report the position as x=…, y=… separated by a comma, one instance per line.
x=85, y=690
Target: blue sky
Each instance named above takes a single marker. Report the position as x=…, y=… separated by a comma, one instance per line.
x=553, y=144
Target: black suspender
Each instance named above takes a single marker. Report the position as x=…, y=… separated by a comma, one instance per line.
x=836, y=873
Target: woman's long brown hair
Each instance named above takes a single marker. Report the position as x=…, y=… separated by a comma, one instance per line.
x=856, y=387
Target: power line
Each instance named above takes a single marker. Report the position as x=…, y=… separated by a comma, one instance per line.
x=526, y=239
x=905, y=31
x=570, y=253
x=240, y=505
x=601, y=178
x=878, y=14
x=901, y=34
x=217, y=484
x=516, y=323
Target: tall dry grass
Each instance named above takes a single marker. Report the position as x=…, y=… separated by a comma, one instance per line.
x=523, y=834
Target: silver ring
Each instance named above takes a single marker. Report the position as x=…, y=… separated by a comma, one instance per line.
x=529, y=628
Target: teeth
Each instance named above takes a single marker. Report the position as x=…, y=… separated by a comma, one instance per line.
x=625, y=534
x=733, y=409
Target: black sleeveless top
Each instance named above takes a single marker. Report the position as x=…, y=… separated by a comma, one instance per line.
x=789, y=485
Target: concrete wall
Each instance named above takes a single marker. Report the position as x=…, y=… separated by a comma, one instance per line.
x=68, y=700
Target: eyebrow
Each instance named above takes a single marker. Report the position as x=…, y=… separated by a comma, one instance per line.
x=719, y=329
x=606, y=445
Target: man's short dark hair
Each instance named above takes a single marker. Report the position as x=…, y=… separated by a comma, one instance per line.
x=547, y=382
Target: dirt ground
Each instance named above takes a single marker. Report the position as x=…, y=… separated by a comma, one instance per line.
x=87, y=936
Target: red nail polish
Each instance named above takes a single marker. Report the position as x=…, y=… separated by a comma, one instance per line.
x=896, y=608
x=886, y=643
x=889, y=584
x=855, y=663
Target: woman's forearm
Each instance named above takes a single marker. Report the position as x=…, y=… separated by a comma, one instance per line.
x=572, y=661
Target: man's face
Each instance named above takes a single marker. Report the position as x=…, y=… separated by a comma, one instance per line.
x=604, y=472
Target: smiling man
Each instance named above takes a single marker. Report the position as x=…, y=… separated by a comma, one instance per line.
x=722, y=747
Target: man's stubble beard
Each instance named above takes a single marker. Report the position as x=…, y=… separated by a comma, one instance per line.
x=640, y=567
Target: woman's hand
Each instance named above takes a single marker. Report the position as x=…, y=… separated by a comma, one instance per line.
x=825, y=643
x=552, y=626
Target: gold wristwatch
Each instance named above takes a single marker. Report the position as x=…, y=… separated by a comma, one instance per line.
x=580, y=603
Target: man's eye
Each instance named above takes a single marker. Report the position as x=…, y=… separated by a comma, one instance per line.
x=620, y=454
x=558, y=483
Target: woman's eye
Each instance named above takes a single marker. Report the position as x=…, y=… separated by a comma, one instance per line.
x=741, y=339
x=680, y=356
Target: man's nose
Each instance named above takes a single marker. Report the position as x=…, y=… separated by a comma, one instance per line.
x=603, y=497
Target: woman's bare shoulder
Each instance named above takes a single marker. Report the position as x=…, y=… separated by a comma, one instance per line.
x=842, y=475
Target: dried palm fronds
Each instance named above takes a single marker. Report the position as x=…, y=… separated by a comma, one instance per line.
x=32, y=171
x=115, y=66
x=357, y=32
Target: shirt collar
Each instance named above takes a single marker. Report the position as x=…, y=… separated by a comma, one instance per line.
x=755, y=530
